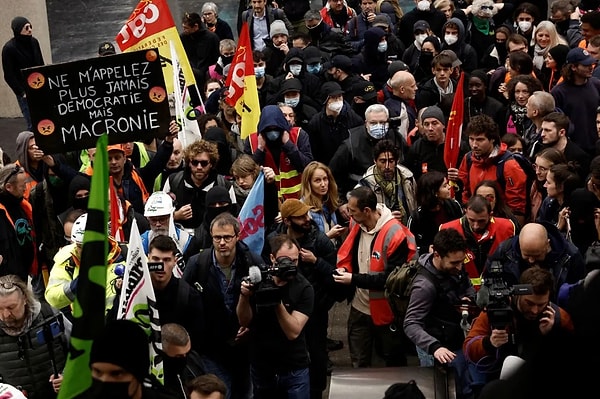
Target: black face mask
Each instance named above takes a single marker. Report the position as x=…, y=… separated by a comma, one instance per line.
x=425, y=59
x=113, y=390
x=81, y=203
x=212, y=212
x=174, y=365
x=226, y=60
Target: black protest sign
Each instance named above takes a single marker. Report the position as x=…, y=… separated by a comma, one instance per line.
x=74, y=103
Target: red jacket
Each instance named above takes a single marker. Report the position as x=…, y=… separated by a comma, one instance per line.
x=515, y=192
x=498, y=230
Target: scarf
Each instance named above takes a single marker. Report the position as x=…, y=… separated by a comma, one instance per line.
x=390, y=190
x=482, y=25
x=538, y=56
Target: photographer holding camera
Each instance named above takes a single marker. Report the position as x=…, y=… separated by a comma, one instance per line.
x=317, y=264
x=276, y=309
x=526, y=324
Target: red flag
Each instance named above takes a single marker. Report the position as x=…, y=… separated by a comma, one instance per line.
x=116, y=222
x=241, y=83
x=454, y=127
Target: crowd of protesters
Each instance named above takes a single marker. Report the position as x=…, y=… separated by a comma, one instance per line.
x=355, y=100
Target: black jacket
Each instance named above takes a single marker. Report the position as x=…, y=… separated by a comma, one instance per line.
x=202, y=49
x=564, y=260
x=18, y=53
x=221, y=322
x=327, y=133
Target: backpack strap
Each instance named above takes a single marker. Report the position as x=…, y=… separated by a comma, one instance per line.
x=183, y=298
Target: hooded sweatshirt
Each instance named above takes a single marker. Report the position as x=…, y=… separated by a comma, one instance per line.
x=34, y=176
x=361, y=299
x=465, y=52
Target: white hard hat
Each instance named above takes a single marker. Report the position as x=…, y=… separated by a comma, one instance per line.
x=78, y=229
x=8, y=391
x=159, y=204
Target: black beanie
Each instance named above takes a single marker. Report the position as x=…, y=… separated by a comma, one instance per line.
x=217, y=194
x=17, y=24
x=559, y=54
x=125, y=344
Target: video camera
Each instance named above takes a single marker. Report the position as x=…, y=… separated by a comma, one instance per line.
x=499, y=309
x=266, y=292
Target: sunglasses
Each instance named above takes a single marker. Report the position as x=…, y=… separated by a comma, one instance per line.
x=9, y=285
x=14, y=172
x=204, y=163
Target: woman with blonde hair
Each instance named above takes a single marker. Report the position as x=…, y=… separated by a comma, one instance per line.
x=320, y=192
x=545, y=38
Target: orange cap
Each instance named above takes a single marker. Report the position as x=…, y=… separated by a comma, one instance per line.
x=115, y=147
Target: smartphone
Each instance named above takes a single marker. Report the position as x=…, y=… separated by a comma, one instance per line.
x=345, y=223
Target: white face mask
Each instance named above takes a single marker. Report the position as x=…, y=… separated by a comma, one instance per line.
x=423, y=5
x=295, y=69
x=420, y=38
x=382, y=47
x=336, y=106
x=524, y=26
x=450, y=39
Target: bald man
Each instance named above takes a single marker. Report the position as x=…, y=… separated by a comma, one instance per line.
x=401, y=102
x=539, y=245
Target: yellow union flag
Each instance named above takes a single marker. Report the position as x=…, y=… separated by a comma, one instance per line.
x=243, y=94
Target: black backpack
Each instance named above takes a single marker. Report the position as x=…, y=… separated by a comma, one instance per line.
x=525, y=165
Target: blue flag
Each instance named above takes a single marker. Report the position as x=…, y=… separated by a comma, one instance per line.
x=252, y=216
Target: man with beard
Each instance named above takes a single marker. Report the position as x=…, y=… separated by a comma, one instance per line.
x=190, y=185
x=487, y=152
x=200, y=45
x=22, y=51
x=432, y=320
x=159, y=213
x=284, y=149
x=392, y=183
x=355, y=155
x=317, y=264
x=278, y=350
x=376, y=243
x=555, y=126
x=483, y=234
x=217, y=273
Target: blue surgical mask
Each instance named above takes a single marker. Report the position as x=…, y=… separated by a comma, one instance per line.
x=295, y=69
x=378, y=131
x=272, y=135
x=259, y=72
x=292, y=102
x=382, y=47
x=313, y=68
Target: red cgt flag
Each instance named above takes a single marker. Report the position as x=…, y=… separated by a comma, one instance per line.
x=241, y=84
x=455, y=124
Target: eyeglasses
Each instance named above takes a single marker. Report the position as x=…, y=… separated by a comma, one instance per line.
x=227, y=238
x=195, y=162
x=487, y=7
x=14, y=172
x=540, y=168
